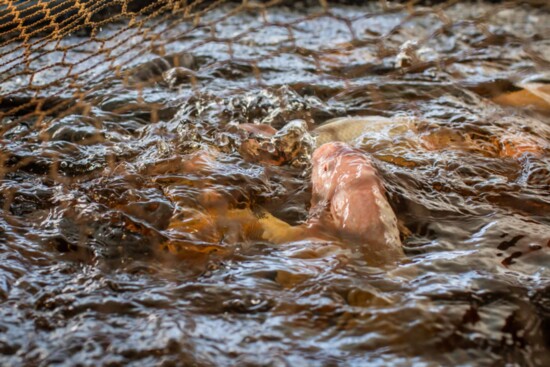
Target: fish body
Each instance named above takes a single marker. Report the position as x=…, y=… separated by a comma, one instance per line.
x=534, y=93
x=348, y=192
x=350, y=129
x=541, y=90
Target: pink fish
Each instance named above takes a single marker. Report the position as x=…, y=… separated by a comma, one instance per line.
x=349, y=197
x=348, y=203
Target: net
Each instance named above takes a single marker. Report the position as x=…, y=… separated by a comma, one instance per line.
x=56, y=55
x=87, y=63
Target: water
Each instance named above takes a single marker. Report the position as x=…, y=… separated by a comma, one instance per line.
x=114, y=252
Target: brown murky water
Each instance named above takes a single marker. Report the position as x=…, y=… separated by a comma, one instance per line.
x=112, y=254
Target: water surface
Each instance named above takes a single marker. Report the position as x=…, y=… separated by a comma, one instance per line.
x=92, y=199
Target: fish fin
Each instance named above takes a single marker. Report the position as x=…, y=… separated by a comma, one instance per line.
x=278, y=231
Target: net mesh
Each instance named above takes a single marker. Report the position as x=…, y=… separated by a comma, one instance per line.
x=55, y=55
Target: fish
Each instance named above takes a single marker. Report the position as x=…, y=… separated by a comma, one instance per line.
x=348, y=203
x=351, y=129
x=347, y=190
x=364, y=130
x=534, y=92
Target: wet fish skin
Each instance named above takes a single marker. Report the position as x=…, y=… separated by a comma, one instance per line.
x=347, y=188
x=348, y=129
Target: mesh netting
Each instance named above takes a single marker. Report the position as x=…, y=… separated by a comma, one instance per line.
x=56, y=54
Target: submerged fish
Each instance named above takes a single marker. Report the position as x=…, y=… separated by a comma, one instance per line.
x=348, y=129
x=348, y=203
x=348, y=192
x=534, y=92
x=378, y=129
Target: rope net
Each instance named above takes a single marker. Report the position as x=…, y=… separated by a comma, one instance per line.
x=55, y=55
x=142, y=60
